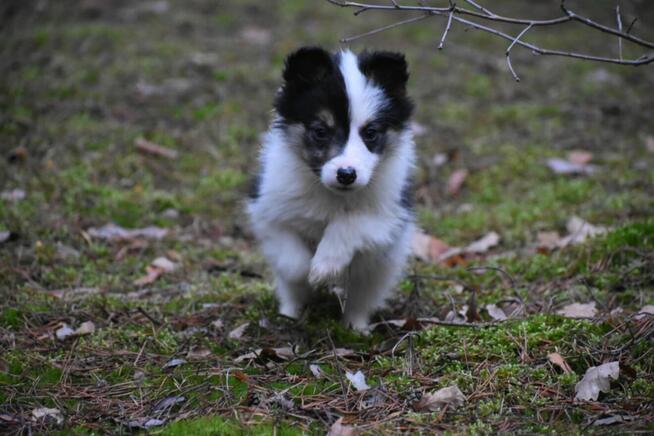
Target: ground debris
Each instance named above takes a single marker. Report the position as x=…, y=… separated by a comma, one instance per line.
x=431, y=402
x=115, y=232
x=578, y=310
x=597, y=379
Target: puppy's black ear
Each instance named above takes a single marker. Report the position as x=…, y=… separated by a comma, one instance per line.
x=308, y=65
x=386, y=68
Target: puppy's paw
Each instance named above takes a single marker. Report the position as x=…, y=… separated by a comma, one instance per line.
x=359, y=325
x=326, y=268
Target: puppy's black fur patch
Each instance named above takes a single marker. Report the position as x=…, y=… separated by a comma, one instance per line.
x=313, y=83
x=389, y=71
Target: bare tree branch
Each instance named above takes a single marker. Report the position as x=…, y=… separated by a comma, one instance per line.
x=456, y=13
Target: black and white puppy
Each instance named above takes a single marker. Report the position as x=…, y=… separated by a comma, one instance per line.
x=332, y=202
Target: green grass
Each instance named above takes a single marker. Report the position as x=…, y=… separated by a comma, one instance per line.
x=73, y=101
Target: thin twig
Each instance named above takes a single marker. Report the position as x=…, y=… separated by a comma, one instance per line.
x=383, y=28
x=619, y=20
x=480, y=7
x=508, y=51
x=447, y=29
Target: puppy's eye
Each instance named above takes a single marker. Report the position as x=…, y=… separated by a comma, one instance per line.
x=319, y=133
x=370, y=134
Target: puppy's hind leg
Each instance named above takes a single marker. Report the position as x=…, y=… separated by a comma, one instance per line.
x=290, y=259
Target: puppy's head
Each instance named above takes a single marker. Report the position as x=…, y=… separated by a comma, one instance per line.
x=342, y=113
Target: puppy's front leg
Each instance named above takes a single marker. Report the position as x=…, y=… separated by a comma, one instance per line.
x=290, y=259
x=343, y=237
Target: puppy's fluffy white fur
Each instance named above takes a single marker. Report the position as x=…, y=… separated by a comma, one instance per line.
x=313, y=234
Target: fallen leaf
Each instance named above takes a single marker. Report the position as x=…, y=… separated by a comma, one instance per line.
x=427, y=248
x=237, y=333
x=613, y=419
x=47, y=414
x=86, y=328
x=559, y=361
x=340, y=429
x=644, y=311
x=152, y=274
x=256, y=35
x=358, y=380
x=114, y=232
x=167, y=403
x=64, y=331
x=277, y=354
x=649, y=144
x=580, y=230
x=578, y=310
x=548, y=239
x=450, y=395
x=484, y=244
x=174, y=362
x=147, y=147
x=580, y=157
x=165, y=264
x=597, y=379
x=562, y=166
x=146, y=423
x=495, y=312
x=72, y=294
x=4, y=236
x=455, y=181
x=198, y=354
x=13, y=195
x=156, y=269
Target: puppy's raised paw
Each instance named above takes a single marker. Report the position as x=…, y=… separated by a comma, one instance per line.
x=325, y=269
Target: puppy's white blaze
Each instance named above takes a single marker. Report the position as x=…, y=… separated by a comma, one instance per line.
x=365, y=98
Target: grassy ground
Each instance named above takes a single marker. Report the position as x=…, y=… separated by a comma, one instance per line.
x=83, y=80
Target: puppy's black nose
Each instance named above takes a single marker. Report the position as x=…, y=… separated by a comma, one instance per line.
x=346, y=176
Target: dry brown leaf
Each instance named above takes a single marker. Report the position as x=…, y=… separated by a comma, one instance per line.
x=495, y=312
x=649, y=144
x=647, y=309
x=580, y=157
x=238, y=332
x=114, y=232
x=597, y=379
x=548, y=239
x=563, y=166
x=276, y=354
x=428, y=248
x=484, y=244
x=156, y=269
x=559, y=361
x=198, y=354
x=578, y=310
x=146, y=147
x=456, y=181
x=86, y=328
x=340, y=429
x=450, y=395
